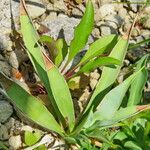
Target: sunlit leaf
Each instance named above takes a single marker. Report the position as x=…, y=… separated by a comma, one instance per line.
x=31, y=138
x=109, y=75
x=48, y=73
x=82, y=31
x=104, y=44
x=102, y=61
x=139, y=82
x=29, y=105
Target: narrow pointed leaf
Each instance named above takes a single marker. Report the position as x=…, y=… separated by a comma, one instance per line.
x=62, y=51
x=139, y=82
x=102, y=61
x=124, y=113
x=100, y=46
x=120, y=115
x=29, y=105
x=54, y=82
x=82, y=31
x=109, y=75
x=132, y=145
x=113, y=99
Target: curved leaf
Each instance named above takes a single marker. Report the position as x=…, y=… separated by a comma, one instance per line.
x=139, y=82
x=109, y=75
x=100, y=46
x=82, y=31
x=48, y=73
x=102, y=61
x=29, y=105
x=113, y=99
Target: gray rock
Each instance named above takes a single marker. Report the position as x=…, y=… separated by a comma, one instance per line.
x=134, y=7
x=147, y=23
x=60, y=6
x=4, y=66
x=35, y=8
x=6, y=111
x=122, y=12
x=3, y=132
x=107, y=30
x=15, y=142
x=114, y=21
x=103, y=11
x=145, y=33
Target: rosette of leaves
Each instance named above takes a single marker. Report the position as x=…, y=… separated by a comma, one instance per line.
x=104, y=107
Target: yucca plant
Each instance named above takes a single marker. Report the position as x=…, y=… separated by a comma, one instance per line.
x=104, y=107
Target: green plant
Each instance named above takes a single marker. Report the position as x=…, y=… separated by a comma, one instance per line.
x=104, y=108
x=133, y=133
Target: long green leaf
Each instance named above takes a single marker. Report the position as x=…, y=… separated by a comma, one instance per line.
x=62, y=51
x=29, y=105
x=109, y=75
x=102, y=61
x=132, y=145
x=123, y=113
x=139, y=82
x=100, y=46
x=48, y=73
x=82, y=31
x=113, y=99
x=120, y=115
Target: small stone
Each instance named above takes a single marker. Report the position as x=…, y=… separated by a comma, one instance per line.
x=105, y=30
x=93, y=83
x=114, y=21
x=60, y=6
x=3, y=132
x=78, y=11
x=96, y=33
x=26, y=128
x=61, y=27
x=10, y=123
x=15, y=142
x=12, y=58
x=134, y=6
x=51, y=16
x=126, y=62
x=135, y=32
x=147, y=23
x=106, y=10
x=35, y=8
x=122, y=12
x=146, y=10
x=95, y=75
x=6, y=111
x=139, y=39
x=145, y=33
x=4, y=66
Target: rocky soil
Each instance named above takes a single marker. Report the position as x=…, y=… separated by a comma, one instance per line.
x=60, y=20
